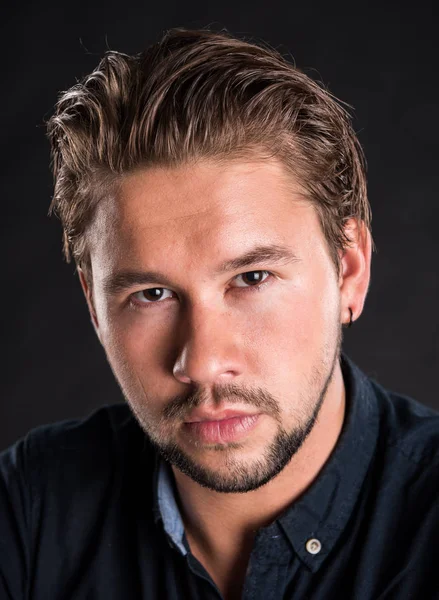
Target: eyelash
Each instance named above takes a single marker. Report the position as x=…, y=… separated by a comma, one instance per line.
x=251, y=288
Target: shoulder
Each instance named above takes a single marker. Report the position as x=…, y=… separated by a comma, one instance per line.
x=400, y=507
x=72, y=450
x=404, y=478
x=408, y=429
x=59, y=488
x=101, y=426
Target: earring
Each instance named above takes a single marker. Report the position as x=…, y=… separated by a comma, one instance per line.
x=350, y=318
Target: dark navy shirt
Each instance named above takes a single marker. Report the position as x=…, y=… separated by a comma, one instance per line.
x=89, y=512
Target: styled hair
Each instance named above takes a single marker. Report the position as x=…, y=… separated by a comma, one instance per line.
x=201, y=94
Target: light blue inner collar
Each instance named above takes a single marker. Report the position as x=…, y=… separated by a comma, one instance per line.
x=170, y=513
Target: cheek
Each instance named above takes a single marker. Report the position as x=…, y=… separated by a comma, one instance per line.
x=132, y=352
x=282, y=338
x=138, y=345
x=294, y=324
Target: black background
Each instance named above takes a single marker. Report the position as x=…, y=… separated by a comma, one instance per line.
x=382, y=60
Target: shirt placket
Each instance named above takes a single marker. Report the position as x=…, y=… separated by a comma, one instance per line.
x=271, y=564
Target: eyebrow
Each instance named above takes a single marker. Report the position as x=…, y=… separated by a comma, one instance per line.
x=274, y=253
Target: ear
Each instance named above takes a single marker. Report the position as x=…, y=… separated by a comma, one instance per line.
x=86, y=288
x=354, y=276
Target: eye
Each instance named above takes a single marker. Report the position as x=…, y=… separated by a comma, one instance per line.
x=151, y=295
x=251, y=278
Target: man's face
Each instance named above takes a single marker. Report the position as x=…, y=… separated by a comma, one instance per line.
x=218, y=306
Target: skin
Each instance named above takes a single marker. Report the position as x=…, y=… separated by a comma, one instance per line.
x=212, y=333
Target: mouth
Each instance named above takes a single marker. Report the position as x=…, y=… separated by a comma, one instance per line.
x=220, y=428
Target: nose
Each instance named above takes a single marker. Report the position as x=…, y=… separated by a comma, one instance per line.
x=209, y=350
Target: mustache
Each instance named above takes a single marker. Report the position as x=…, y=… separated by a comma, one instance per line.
x=180, y=406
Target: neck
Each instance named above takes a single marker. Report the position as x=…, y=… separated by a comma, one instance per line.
x=220, y=524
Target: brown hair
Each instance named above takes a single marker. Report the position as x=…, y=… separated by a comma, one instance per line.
x=195, y=94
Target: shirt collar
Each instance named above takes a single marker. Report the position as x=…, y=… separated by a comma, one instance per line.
x=322, y=512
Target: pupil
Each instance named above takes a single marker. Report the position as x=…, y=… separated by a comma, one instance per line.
x=253, y=276
x=153, y=293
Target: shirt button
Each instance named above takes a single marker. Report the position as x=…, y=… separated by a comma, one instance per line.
x=313, y=546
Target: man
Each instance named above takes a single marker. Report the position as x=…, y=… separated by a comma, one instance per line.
x=214, y=200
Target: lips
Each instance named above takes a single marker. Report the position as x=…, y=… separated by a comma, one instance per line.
x=221, y=427
x=202, y=414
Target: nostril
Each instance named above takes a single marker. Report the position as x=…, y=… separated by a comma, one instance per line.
x=181, y=377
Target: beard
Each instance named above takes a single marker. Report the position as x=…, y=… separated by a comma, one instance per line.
x=241, y=477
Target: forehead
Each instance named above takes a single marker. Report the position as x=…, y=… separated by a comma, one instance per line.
x=199, y=210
